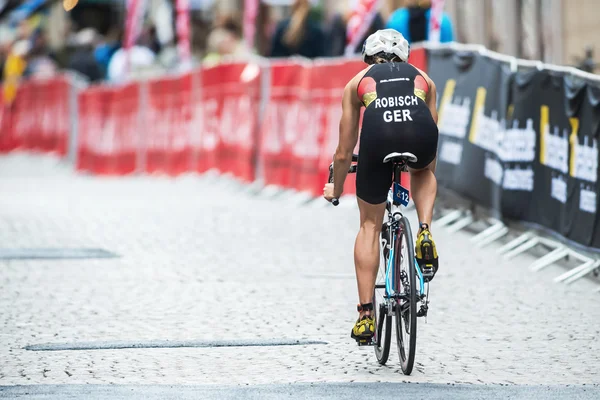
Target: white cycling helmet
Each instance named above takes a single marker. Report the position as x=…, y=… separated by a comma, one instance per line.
x=388, y=41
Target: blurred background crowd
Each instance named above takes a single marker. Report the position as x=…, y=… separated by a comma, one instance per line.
x=39, y=38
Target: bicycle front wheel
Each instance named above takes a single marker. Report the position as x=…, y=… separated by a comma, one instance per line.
x=406, y=305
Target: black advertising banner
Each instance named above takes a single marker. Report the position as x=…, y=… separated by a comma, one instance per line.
x=473, y=100
x=539, y=108
x=453, y=75
x=565, y=115
x=486, y=144
x=523, y=144
x=583, y=110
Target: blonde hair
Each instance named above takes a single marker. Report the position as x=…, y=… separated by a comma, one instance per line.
x=296, y=29
x=380, y=59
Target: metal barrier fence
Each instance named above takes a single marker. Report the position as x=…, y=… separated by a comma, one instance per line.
x=274, y=123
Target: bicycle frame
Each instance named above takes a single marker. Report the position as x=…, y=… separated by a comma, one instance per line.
x=389, y=291
x=394, y=216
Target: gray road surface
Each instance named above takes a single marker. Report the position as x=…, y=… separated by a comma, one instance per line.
x=205, y=261
x=315, y=391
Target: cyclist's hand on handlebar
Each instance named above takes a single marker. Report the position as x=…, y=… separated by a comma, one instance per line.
x=328, y=192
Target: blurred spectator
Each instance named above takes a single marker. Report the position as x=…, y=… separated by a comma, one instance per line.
x=106, y=48
x=413, y=22
x=299, y=35
x=4, y=50
x=587, y=63
x=149, y=38
x=123, y=63
x=336, y=34
x=41, y=62
x=14, y=69
x=265, y=28
x=225, y=41
x=83, y=59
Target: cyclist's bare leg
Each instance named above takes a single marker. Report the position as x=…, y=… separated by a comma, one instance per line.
x=423, y=189
x=366, y=250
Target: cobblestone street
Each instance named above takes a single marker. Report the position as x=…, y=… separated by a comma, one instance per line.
x=202, y=259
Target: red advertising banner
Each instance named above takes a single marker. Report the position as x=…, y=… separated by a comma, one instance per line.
x=7, y=141
x=24, y=117
x=279, y=130
x=199, y=121
x=300, y=129
x=229, y=105
x=335, y=76
x=167, y=123
x=109, y=129
x=418, y=58
x=41, y=116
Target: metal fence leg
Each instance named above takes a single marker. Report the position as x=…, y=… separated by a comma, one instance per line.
x=265, y=96
x=583, y=272
x=575, y=271
x=301, y=198
x=77, y=83
x=73, y=146
x=461, y=223
x=492, y=238
x=489, y=231
x=449, y=218
x=255, y=187
x=550, y=258
x=515, y=242
x=319, y=202
x=271, y=191
x=142, y=128
x=522, y=248
x=286, y=193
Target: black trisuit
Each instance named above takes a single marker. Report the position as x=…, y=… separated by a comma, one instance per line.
x=396, y=119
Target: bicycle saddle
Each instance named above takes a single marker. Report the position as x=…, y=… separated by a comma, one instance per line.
x=398, y=157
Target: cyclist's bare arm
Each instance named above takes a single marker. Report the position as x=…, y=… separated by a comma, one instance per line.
x=348, y=133
x=431, y=96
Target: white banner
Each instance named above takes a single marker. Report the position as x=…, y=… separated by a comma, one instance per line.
x=183, y=32
x=435, y=20
x=361, y=18
x=250, y=13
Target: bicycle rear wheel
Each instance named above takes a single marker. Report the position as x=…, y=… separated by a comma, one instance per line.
x=383, y=330
x=406, y=308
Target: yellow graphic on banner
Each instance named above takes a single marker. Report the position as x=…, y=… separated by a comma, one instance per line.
x=510, y=111
x=446, y=98
x=573, y=142
x=477, y=109
x=544, y=125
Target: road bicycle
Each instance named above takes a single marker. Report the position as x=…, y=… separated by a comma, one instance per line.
x=401, y=286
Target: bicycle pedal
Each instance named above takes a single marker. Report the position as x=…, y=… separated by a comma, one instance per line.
x=365, y=342
x=428, y=273
x=422, y=311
